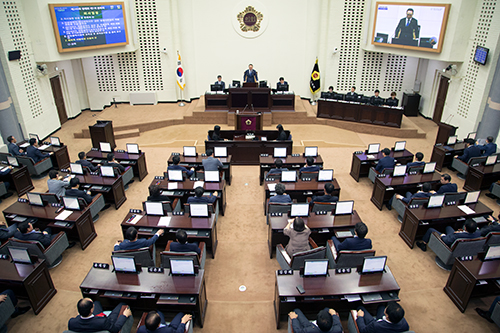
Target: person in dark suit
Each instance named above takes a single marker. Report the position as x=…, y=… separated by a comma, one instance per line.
x=18, y=310
x=219, y=82
x=199, y=198
x=210, y=163
x=470, y=151
x=424, y=193
x=357, y=243
x=309, y=166
x=376, y=99
x=73, y=191
x=385, y=162
x=487, y=314
x=327, y=197
x=6, y=231
x=493, y=226
x=155, y=322
x=176, y=160
x=327, y=320
x=446, y=185
x=351, y=95
x=281, y=196
x=281, y=82
x=407, y=30
x=419, y=157
x=471, y=231
x=182, y=245
x=85, y=163
x=330, y=90
x=26, y=232
x=110, y=161
x=389, y=319
x=250, y=75
x=14, y=150
x=490, y=147
x=33, y=152
x=216, y=136
x=155, y=194
x=392, y=101
x=133, y=242
x=281, y=133
x=278, y=168
x=91, y=317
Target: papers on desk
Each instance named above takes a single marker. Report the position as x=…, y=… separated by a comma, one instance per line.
x=19, y=219
x=173, y=186
x=271, y=187
x=352, y=298
x=198, y=184
x=64, y=215
x=167, y=193
x=24, y=145
x=371, y=157
x=466, y=209
x=164, y=221
x=4, y=168
x=43, y=147
x=135, y=219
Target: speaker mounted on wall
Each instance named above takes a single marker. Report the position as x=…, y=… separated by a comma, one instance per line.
x=14, y=55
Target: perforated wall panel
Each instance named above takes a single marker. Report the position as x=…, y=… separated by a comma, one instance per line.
x=129, y=73
x=371, y=70
x=105, y=73
x=394, y=72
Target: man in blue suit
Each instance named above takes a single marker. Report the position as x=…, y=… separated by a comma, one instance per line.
x=133, y=242
x=356, y=243
x=281, y=82
x=14, y=150
x=471, y=231
x=33, y=152
x=446, y=185
x=419, y=157
x=327, y=321
x=250, y=75
x=389, y=319
x=155, y=322
x=26, y=232
x=309, y=166
x=278, y=167
x=490, y=147
x=182, y=245
x=424, y=193
x=199, y=198
x=327, y=197
x=219, y=82
x=176, y=160
x=281, y=196
x=84, y=162
x=385, y=162
x=92, y=319
x=470, y=151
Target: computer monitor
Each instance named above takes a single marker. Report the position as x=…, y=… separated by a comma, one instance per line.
x=124, y=264
x=429, y=167
x=373, y=148
x=50, y=198
x=338, y=97
x=315, y=267
x=212, y=176
x=490, y=160
x=326, y=95
x=34, y=136
x=236, y=84
x=215, y=87
x=107, y=171
x=344, y=207
x=263, y=84
x=325, y=175
x=472, y=135
x=282, y=87
x=12, y=161
x=198, y=210
x=399, y=170
x=366, y=100
x=105, y=147
x=311, y=151
x=288, y=176
x=153, y=208
x=374, y=264
x=299, y=210
x=54, y=140
x=452, y=140
x=76, y=168
x=472, y=197
x=132, y=148
x=279, y=152
x=189, y=151
x=175, y=175
x=391, y=102
x=349, y=97
x=399, y=146
x=71, y=203
x=181, y=266
x=220, y=151
x=435, y=201
x=493, y=252
x=19, y=255
x=35, y=199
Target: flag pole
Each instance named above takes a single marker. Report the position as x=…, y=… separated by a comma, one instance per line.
x=313, y=102
x=181, y=103
x=179, y=82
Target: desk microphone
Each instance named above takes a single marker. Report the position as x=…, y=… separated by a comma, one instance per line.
x=252, y=108
x=244, y=108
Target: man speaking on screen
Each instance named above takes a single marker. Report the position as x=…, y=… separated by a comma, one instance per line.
x=407, y=31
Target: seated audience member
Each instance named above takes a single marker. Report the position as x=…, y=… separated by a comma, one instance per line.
x=85, y=163
x=471, y=150
x=92, y=319
x=6, y=231
x=356, y=243
x=155, y=194
x=487, y=314
x=182, y=245
x=471, y=231
x=216, y=136
x=199, y=198
x=220, y=82
x=385, y=162
x=73, y=191
x=351, y=94
x=176, y=160
x=490, y=147
x=56, y=184
x=18, y=310
x=493, y=226
x=210, y=163
x=446, y=186
x=327, y=197
x=309, y=166
x=281, y=82
x=327, y=320
x=424, y=193
x=155, y=322
x=26, y=232
x=33, y=151
x=110, y=161
x=376, y=99
x=299, y=236
x=278, y=168
x=281, y=196
x=419, y=157
x=281, y=133
x=14, y=150
x=389, y=319
x=393, y=98
x=330, y=89
x=133, y=242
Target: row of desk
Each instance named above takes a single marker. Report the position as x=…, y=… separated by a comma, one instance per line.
x=260, y=99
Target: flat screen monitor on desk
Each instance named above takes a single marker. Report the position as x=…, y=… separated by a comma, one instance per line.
x=263, y=84
x=315, y=267
x=175, y=175
x=436, y=201
x=399, y=146
x=373, y=264
x=107, y=171
x=154, y=208
x=198, y=210
x=288, y=176
x=124, y=264
x=311, y=151
x=132, y=148
x=189, y=151
x=71, y=203
x=492, y=253
x=220, y=151
x=373, y=148
x=325, y=175
x=76, y=168
x=299, y=210
x=391, y=102
x=399, y=170
x=282, y=87
x=35, y=199
x=452, y=140
x=338, y=97
x=212, y=176
x=490, y=160
x=236, y=84
x=105, y=147
x=472, y=197
x=54, y=140
x=19, y=255
x=279, y=152
x=429, y=167
x=182, y=266
x=215, y=87
x=327, y=95
x=12, y=161
x=472, y=135
x=344, y=207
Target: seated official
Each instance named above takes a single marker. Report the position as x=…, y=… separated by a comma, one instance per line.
x=493, y=226
x=181, y=244
x=487, y=314
x=199, y=198
x=385, y=162
x=155, y=194
x=7, y=231
x=210, y=163
x=327, y=197
x=330, y=89
x=327, y=320
x=133, y=242
x=393, y=99
x=216, y=136
x=351, y=95
x=471, y=150
x=281, y=133
x=14, y=150
x=376, y=99
x=490, y=147
x=299, y=236
x=309, y=166
x=281, y=196
x=92, y=319
x=419, y=157
x=73, y=191
x=281, y=82
x=219, y=82
x=356, y=243
x=155, y=322
x=424, y=193
x=110, y=161
x=56, y=184
x=446, y=185
x=389, y=319
x=85, y=163
x=33, y=151
x=176, y=160
x=471, y=231
x=26, y=232
x=278, y=168
x=18, y=310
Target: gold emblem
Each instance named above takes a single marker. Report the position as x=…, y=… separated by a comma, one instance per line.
x=250, y=19
x=248, y=122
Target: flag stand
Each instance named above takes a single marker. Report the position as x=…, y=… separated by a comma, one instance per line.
x=182, y=101
x=313, y=102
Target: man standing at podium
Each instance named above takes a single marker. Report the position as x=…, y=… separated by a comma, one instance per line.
x=407, y=30
x=250, y=75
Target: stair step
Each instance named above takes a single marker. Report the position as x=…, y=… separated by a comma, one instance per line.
x=127, y=133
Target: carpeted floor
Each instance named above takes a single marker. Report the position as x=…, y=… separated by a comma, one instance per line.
x=242, y=257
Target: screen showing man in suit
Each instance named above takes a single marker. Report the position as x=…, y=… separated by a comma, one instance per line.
x=250, y=75
x=407, y=30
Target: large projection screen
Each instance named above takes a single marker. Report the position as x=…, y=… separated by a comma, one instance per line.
x=415, y=26
x=86, y=26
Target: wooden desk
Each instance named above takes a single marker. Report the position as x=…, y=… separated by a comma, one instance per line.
x=329, y=291
x=315, y=222
x=82, y=226
x=461, y=285
x=113, y=192
x=197, y=163
x=60, y=159
x=409, y=183
x=20, y=178
x=290, y=163
x=261, y=98
x=145, y=290
x=216, y=102
x=206, y=228
x=283, y=101
x=360, y=113
x=136, y=161
x=28, y=281
x=443, y=157
x=481, y=177
x=247, y=152
x=361, y=164
x=437, y=218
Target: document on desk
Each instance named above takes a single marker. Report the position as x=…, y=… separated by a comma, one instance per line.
x=43, y=147
x=371, y=157
x=135, y=219
x=24, y=145
x=352, y=298
x=164, y=221
x=173, y=186
x=198, y=184
x=466, y=209
x=271, y=187
x=4, y=168
x=64, y=215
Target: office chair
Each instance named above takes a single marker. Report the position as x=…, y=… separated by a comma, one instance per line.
x=345, y=258
x=188, y=328
x=126, y=328
x=146, y=256
x=352, y=326
x=373, y=173
x=199, y=259
x=296, y=261
x=400, y=206
x=445, y=255
x=462, y=168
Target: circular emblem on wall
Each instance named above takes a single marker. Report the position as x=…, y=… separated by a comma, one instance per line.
x=250, y=19
x=248, y=122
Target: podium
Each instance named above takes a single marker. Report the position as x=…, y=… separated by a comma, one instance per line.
x=248, y=122
x=250, y=84
x=410, y=103
x=102, y=131
x=444, y=132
